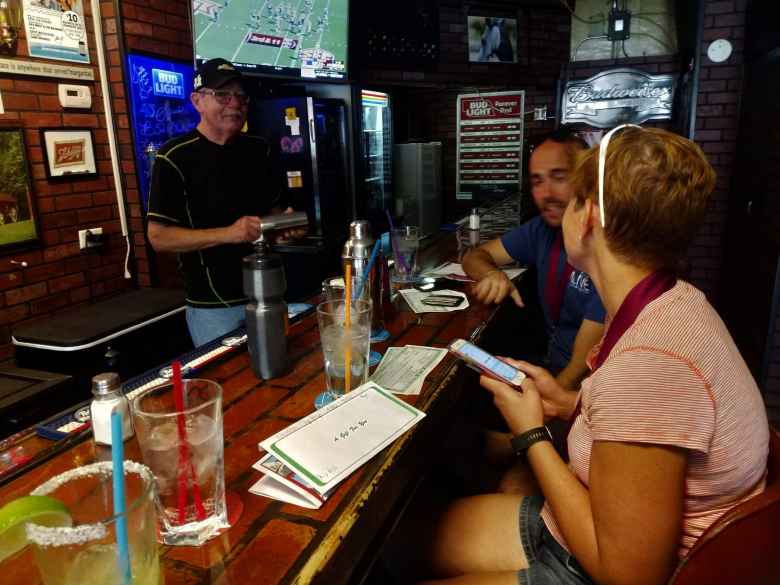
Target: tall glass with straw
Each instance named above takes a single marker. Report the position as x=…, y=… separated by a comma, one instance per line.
x=179, y=430
x=345, y=329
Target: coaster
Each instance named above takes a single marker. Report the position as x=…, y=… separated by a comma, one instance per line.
x=235, y=507
x=379, y=335
x=374, y=357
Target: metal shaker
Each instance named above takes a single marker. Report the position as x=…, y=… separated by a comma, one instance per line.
x=266, y=313
x=357, y=249
x=357, y=252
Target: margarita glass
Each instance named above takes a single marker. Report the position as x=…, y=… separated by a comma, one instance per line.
x=86, y=553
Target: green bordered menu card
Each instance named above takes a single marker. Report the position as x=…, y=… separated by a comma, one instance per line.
x=325, y=447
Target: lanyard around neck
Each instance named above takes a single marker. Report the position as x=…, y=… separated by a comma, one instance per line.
x=555, y=284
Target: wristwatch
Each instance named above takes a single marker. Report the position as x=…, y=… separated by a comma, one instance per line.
x=520, y=443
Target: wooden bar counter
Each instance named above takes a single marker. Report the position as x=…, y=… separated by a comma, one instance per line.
x=274, y=542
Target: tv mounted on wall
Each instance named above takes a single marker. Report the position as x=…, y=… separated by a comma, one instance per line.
x=305, y=39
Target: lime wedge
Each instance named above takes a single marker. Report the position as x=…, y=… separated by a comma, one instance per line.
x=13, y=516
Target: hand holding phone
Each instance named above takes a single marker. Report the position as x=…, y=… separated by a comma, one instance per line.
x=486, y=363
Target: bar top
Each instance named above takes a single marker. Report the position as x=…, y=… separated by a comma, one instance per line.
x=278, y=543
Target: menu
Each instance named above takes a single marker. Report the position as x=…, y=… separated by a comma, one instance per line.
x=490, y=144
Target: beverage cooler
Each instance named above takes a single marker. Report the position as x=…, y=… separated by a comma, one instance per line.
x=309, y=136
x=375, y=194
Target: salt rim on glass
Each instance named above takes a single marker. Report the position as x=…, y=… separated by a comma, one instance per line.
x=66, y=535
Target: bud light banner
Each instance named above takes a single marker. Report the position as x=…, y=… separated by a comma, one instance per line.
x=490, y=144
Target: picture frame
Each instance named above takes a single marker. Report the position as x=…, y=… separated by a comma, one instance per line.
x=68, y=153
x=18, y=218
x=492, y=39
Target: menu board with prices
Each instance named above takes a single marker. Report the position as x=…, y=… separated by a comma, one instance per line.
x=490, y=144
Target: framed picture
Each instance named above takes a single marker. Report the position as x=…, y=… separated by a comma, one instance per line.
x=492, y=39
x=68, y=153
x=18, y=221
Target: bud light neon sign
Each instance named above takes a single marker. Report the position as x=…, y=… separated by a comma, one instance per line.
x=169, y=84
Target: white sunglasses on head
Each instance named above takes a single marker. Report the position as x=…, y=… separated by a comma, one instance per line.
x=602, y=163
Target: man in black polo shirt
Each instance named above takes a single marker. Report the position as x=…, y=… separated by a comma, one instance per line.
x=209, y=189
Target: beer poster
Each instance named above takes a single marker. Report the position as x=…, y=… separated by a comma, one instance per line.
x=68, y=152
x=490, y=144
x=55, y=30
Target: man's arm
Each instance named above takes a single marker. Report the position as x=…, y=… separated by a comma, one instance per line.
x=589, y=334
x=171, y=238
x=482, y=264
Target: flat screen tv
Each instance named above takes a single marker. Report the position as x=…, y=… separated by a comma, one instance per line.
x=304, y=39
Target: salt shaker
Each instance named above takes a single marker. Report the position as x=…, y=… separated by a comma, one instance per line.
x=474, y=219
x=108, y=397
x=474, y=237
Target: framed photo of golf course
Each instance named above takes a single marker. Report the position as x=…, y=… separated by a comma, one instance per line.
x=18, y=220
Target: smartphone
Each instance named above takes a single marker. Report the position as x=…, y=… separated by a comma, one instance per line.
x=482, y=360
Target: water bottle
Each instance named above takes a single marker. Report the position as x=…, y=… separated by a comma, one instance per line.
x=266, y=313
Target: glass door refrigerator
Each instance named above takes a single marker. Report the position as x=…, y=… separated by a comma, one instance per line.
x=308, y=137
x=376, y=135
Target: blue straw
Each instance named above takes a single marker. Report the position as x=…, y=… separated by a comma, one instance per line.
x=401, y=258
x=367, y=271
x=118, y=478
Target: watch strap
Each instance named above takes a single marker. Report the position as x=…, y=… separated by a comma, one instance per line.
x=521, y=443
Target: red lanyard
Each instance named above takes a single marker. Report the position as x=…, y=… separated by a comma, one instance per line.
x=555, y=286
x=647, y=290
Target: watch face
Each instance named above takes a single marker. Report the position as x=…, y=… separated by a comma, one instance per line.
x=719, y=50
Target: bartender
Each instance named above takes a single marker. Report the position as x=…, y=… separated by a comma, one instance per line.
x=209, y=189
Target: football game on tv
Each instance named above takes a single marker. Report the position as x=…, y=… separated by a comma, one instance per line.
x=300, y=38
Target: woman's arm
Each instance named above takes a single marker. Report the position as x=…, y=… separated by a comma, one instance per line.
x=625, y=528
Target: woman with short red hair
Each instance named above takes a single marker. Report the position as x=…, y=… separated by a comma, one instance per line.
x=669, y=431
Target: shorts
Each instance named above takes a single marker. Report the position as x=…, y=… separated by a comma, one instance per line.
x=548, y=562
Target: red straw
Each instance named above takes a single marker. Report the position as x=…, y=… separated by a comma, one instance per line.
x=185, y=463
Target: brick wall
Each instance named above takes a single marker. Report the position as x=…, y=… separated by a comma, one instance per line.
x=717, y=118
x=58, y=274
x=425, y=100
x=428, y=112
x=161, y=29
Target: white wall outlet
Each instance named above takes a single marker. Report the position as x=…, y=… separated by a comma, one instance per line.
x=83, y=243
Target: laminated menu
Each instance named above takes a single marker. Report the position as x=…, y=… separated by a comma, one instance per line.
x=313, y=455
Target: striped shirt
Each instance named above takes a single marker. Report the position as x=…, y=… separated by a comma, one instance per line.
x=676, y=378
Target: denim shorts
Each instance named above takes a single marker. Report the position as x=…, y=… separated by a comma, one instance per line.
x=548, y=562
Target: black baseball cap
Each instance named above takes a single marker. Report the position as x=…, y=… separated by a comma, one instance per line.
x=215, y=73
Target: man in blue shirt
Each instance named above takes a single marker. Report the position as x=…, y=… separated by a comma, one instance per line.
x=572, y=309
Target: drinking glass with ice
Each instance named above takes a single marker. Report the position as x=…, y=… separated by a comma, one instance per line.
x=185, y=451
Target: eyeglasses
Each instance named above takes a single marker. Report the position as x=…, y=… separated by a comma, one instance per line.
x=603, y=163
x=223, y=96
